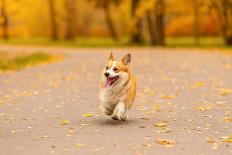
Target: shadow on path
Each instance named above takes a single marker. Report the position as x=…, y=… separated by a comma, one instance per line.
x=111, y=122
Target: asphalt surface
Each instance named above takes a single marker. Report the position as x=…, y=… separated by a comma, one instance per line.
x=183, y=105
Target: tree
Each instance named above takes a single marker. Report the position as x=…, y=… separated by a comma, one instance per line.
x=196, y=25
x=159, y=17
x=155, y=18
x=224, y=12
x=54, y=26
x=137, y=34
x=70, y=8
x=106, y=5
x=5, y=20
x=151, y=27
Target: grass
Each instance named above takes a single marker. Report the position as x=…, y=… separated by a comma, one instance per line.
x=23, y=61
x=79, y=42
x=108, y=42
x=190, y=42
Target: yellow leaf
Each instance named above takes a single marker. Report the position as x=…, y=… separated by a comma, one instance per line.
x=86, y=124
x=228, y=139
x=46, y=136
x=160, y=124
x=209, y=140
x=141, y=108
x=205, y=108
x=78, y=145
x=198, y=84
x=225, y=92
x=65, y=122
x=165, y=142
x=146, y=145
x=167, y=96
x=156, y=107
x=87, y=115
x=227, y=119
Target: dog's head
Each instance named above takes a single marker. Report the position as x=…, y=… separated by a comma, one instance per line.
x=116, y=71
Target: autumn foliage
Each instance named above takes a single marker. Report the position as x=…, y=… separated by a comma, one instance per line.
x=141, y=20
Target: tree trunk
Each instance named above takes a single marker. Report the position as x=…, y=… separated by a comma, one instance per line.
x=54, y=27
x=137, y=34
x=109, y=21
x=5, y=20
x=159, y=20
x=152, y=27
x=227, y=21
x=196, y=21
x=228, y=40
x=223, y=9
x=70, y=6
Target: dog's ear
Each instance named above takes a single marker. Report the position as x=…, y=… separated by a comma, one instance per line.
x=126, y=59
x=111, y=57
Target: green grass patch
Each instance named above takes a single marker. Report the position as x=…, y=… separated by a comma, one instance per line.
x=78, y=42
x=190, y=42
x=123, y=42
x=23, y=61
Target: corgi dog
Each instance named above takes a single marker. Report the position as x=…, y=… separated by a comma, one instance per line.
x=117, y=88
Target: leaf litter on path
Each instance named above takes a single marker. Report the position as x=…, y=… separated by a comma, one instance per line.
x=224, y=92
x=228, y=139
x=166, y=142
x=65, y=122
x=87, y=115
x=160, y=124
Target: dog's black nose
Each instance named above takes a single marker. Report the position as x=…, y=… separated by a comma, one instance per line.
x=107, y=74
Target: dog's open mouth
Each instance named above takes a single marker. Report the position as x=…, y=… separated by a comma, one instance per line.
x=110, y=81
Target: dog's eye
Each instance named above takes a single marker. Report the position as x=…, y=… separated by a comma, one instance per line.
x=107, y=67
x=115, y=69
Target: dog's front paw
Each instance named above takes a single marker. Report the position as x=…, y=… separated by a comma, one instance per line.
x=114, y=117
x=123, y=116
x=119, y=116
x=120, y=112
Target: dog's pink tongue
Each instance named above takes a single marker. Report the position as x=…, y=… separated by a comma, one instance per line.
x=107, y=84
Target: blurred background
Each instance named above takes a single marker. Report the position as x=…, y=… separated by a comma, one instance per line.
x=117, y=22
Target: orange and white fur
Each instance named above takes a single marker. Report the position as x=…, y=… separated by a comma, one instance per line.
x=117, y=88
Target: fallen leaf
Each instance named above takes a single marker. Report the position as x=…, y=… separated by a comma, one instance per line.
x=165, y=142
x=87, y=115
x=224, y=92
x=78, y=145
x=227, y=119
x=198, y=84
x=204, y=108
x=46, y=137
x=86, y=124
x=146, y=145
x=228, y=139
x=156, y=107
x=141, y=108
x=65, y=122
x=209, y=140
x=167, y=96
x=164, y=131
x=160, y=124
x=145, y=118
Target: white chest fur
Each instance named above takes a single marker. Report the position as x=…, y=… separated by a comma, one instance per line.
x=111, y=96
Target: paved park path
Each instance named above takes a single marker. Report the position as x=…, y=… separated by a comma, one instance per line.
x=183, y=105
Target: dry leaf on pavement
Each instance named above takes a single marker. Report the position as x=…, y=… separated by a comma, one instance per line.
x=87, y=115
x=160, y=124
x=166, y=142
